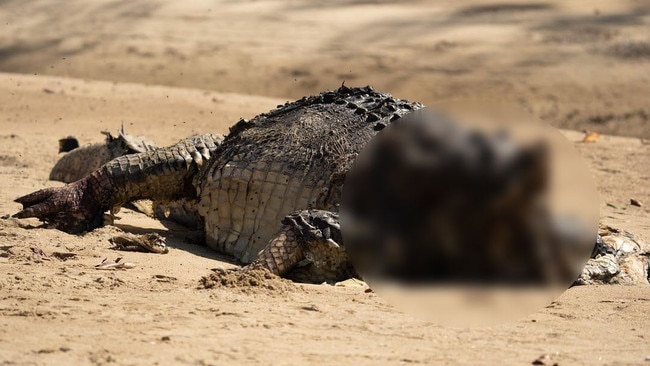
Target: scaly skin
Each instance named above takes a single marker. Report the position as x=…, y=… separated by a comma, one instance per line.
x=82, y=161
x=293, y=158
x=163, y=174
x=309, y=248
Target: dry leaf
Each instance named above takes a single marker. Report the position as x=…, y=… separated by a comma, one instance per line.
x=590, y=136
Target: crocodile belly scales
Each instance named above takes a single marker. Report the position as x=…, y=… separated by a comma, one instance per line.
x=246, y=202
x=292, y=158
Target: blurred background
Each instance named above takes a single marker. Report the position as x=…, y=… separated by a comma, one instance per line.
x=575, y=64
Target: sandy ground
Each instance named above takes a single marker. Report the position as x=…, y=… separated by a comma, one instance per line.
x=572, y=65
x=575, y=64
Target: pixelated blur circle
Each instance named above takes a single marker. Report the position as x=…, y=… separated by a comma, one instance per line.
x=472, y=216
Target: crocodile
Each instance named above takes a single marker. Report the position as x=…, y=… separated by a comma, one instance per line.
x=286, y=166
x=80, y=161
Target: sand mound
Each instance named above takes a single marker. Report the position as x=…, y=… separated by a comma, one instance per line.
x=248, y=281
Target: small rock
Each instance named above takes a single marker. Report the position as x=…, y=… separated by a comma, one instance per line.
x=635, y=202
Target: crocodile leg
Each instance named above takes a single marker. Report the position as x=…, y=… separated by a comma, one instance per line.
x=162, y=174
x=308, y=248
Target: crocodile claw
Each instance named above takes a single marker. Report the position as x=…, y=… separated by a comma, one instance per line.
x=35, y=204
x=66, y=208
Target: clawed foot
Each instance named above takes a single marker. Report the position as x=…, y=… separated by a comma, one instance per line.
x=69, y=208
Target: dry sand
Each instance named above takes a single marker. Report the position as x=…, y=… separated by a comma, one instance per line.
x=566, y=62
x=575, y=64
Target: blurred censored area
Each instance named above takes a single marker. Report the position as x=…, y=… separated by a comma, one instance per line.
x=439, y=212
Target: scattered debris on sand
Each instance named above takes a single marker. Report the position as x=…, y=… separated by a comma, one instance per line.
x=149, y=242
x=116, y=264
